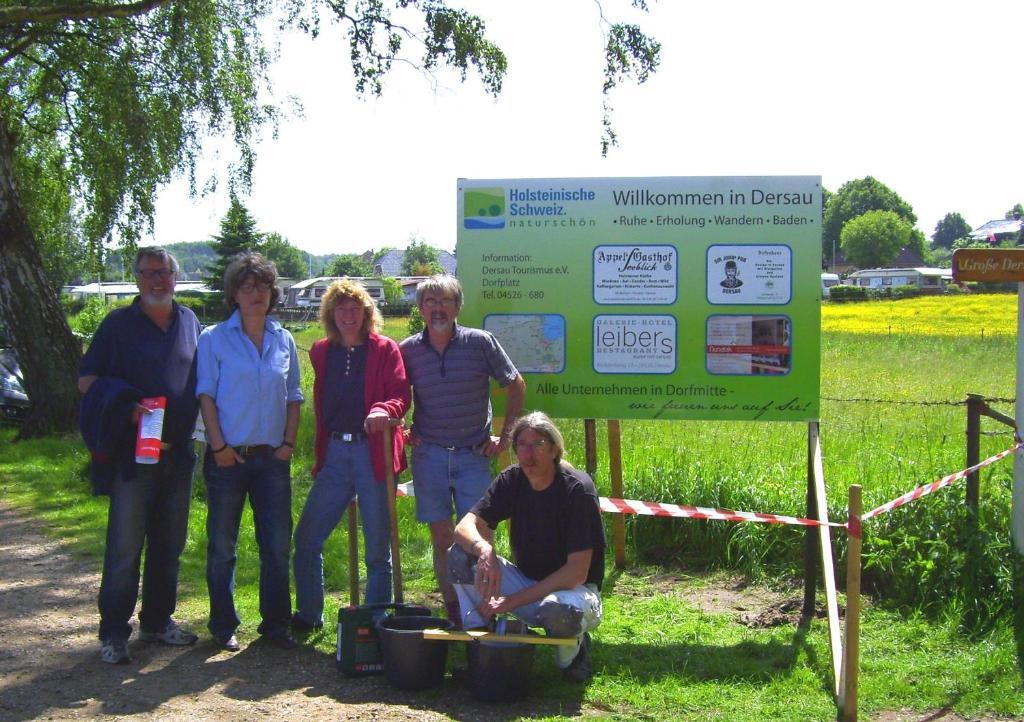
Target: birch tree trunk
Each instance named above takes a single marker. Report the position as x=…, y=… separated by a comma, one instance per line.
x=48, y=352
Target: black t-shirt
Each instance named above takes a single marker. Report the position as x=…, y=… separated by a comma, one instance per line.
x=546, y=526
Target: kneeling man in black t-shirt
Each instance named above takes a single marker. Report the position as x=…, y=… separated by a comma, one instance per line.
x=557, y=543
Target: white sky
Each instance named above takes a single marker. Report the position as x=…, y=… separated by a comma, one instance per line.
x=924, y=96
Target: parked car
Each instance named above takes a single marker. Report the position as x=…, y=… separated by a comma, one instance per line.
x=828, y=280
x=13, y=399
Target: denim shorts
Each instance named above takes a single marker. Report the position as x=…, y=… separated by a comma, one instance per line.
x=442, y=476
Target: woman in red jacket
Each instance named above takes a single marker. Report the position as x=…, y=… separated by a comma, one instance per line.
x=359, y=387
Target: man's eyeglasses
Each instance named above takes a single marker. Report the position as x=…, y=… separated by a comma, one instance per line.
x=538, y=445
x=248, y=288
x=154, y=274
x=433, y=303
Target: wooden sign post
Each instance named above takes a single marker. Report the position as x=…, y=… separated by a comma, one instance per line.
x=1000, y=265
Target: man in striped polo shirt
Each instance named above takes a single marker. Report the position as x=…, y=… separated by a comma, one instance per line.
x=450, y=367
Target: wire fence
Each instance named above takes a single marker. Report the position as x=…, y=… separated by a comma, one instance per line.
x=905, y=402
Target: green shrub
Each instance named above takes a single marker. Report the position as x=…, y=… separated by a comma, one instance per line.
x=844, y=294
x=907, y=291
x=93, y=311
x=992, y=287
x=209, y=307
x=415, y=321
x=399, y=308
x=71, y=306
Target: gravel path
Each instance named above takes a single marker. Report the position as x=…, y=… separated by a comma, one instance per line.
x=50, y=668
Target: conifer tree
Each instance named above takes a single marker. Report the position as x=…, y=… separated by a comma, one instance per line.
x=237, y=234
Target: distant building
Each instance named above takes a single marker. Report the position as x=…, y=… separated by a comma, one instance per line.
x=307, y=294
x=929, y=280
x=837, y=263
x=409, y=284
x=116, y=290
x=999, y=230
x=906, y=258
x=390, y=264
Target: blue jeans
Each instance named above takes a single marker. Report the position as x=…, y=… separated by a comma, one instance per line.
x=562, y=613
x=347, y=472
x=149, y=510
x=439, y=475
x=267, y=483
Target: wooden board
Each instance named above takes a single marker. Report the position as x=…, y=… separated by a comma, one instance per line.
x=479, y=634
x=828, y=570
x=988, y=264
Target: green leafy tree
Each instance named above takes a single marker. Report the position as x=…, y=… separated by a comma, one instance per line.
x=420, y=259
x=350, y=264
x=1016, y=212
x=828, y=256
x=193, y=258
x=855, y=198
x=919, y=244
x=105, y=101
x=380, y=253
x=950, y=229
x=392, y=290
x=629, y=54
x=290, y=261
x=237, y=234
x=51, y=209
x=320, y=265
x=874, y=239
x=373, y=258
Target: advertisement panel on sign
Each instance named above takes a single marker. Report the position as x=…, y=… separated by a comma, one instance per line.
x=644, y=298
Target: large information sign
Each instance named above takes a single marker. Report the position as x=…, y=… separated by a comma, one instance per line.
x=671, y=298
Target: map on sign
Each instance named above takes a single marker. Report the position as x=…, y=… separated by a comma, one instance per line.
x=535, y=342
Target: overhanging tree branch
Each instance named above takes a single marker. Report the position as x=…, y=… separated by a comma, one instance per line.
x=22, y=14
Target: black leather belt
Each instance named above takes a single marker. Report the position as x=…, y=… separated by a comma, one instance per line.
x=255, y=450
x=348, y=438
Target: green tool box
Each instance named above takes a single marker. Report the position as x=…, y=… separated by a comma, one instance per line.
x=358, y=646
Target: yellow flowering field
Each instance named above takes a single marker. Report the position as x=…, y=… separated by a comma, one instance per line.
x=954, y=315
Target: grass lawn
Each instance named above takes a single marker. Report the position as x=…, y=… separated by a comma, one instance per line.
x=663, y=651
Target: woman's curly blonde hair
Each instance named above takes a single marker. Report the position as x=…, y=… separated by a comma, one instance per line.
x=338, y=292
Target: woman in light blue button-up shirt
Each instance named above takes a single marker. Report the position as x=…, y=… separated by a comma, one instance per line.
x=248, y=389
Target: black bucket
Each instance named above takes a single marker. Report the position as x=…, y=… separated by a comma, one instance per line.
x=410, y=661
x=499, y=671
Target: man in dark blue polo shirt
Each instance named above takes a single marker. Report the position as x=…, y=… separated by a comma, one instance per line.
x=147, y=349
x=450, y=368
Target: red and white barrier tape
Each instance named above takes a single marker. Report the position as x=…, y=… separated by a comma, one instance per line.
x=936, y=485
x=650, y=508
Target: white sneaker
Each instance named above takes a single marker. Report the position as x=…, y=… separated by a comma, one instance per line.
x=115, y=651
x=173, y=634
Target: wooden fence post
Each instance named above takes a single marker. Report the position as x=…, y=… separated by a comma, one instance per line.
x=974, y=409
x=828, y=570
x=590, y=446
x=615, y=467
x=392, y=491
x=353, y=554
x=810, y=542
x=851, y=646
